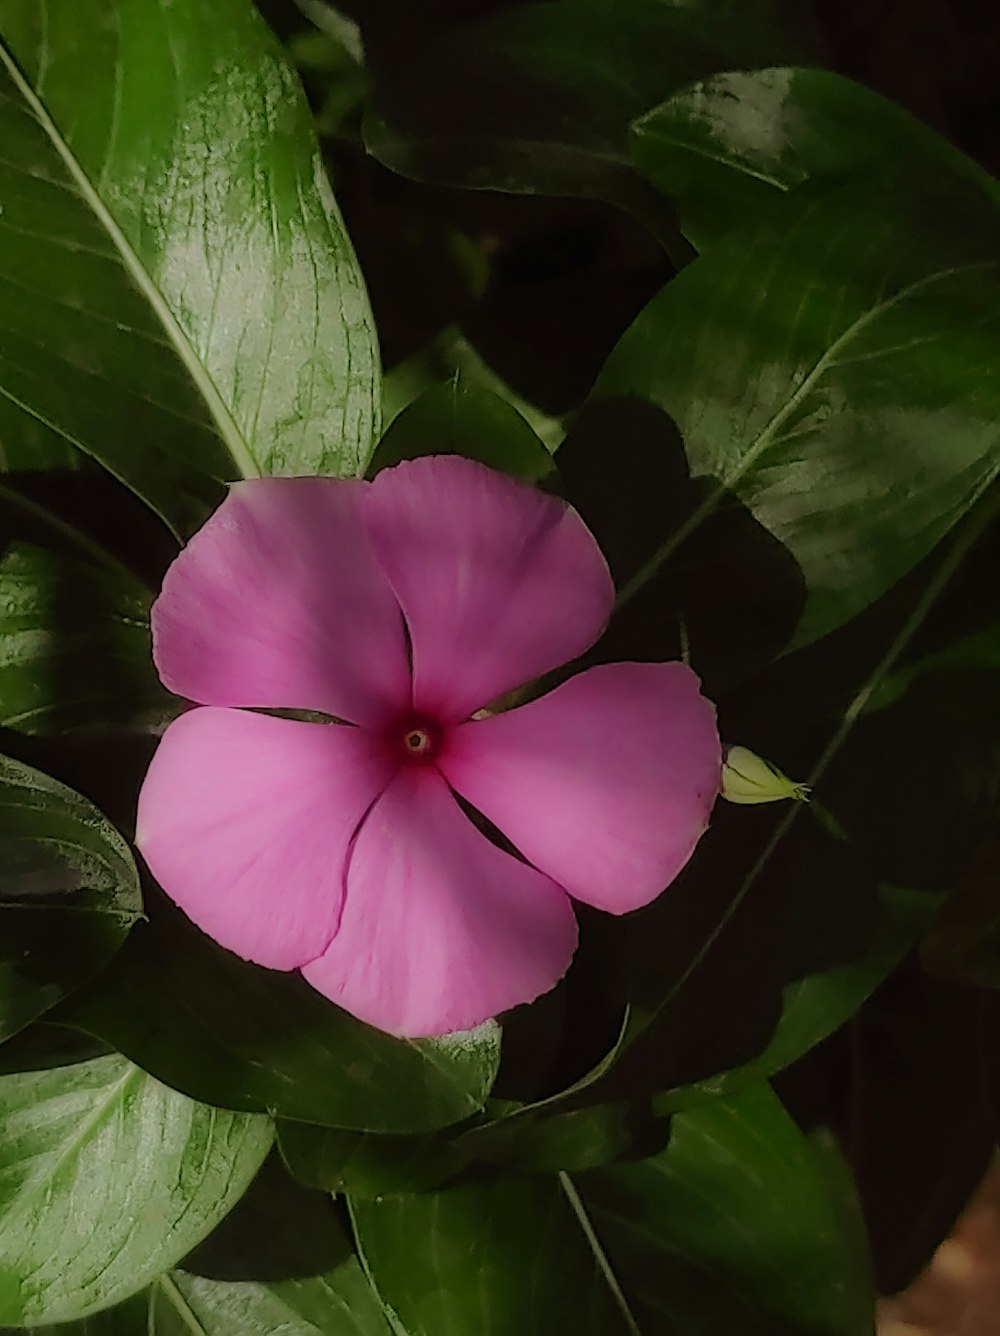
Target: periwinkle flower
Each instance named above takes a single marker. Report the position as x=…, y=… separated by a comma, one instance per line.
x=403, y=607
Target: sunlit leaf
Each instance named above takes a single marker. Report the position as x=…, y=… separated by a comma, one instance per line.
x=108, y=1179
x=722, y=148
x=830, y=380
x=179, y=297
x=538, y=98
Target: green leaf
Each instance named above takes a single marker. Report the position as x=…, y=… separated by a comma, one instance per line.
x=538, y=98
x=366, y=1165
x=69, y=892
x=461, y=418
x=829, y=380
x=772, y=901
x=171, y=257
x=450, y=355
x=741, y=1224
x=232, y=1034
x=338, y=1304
x=75, y=647
x=721, y=149
x=505, y=1255
x=126, y=1319
x=281, y=1261
x=108, y=1179
x=814, y=1007
x=564, y=1140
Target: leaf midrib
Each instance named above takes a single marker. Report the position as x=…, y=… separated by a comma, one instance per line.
x=71, y=1147
x=223, y=419
x=601, y=1260
x=765, y=437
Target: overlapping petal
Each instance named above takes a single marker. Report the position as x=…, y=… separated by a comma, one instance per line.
x=440, y=929
x=499, y=583
x=605, y=784
x=278, y=602
x=246, y=820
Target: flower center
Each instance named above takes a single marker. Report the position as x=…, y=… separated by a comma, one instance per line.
x=417, y=739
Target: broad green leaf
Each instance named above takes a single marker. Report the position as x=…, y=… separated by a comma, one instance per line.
x=741, y=1224
x=368, y=1165
x=281, y=1261
x=340, y=1302
x=75, y=647
x=107, y=1179
x=451, y=354
x=42, y=1045
x=69, y=892
x=538, y=98
x=720, y=149
x=830, y=380
x=814, y=1007
x=180, y=300
x=461, y=418
x=229, y=1033
x=508, y=1256
x=564, y=1140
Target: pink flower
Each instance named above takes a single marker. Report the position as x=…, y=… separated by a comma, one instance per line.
x=405, y=606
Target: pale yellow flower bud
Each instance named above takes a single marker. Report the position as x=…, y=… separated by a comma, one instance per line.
x=748, y=778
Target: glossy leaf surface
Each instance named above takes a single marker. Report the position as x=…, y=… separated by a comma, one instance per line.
x=501, y=1255
x=367, y=1165
x=829, y=380
x=742, y=1220
x=281, y=1261
x=108, y=1179
x=180, y=299
x=721, y=149
x=76, y=647
x=538, y=98
x=464, y=419
x=69, y=892
x=232, y=1034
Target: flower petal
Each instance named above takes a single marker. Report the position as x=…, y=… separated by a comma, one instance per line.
x=498, y=582
x=246, y=822
x=440, y=928
x=277, y=601
x=605, y=784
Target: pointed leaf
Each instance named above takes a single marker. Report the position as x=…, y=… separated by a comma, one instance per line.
x=171, y=257
x=462, y=418
x=538, y=98
x=242, y=1037
x=107, y=1178
x=504, y=1255
x=69, y=892
x=741, y=1220
x=76, y=647
x=831, y=381
x=722, y=148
